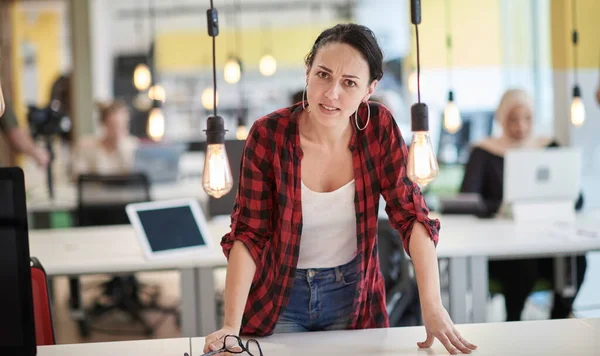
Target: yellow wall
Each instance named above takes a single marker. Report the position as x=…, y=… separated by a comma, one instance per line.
x=43, y=32
x=187, y=50
x=477, y=39
x=589, y=33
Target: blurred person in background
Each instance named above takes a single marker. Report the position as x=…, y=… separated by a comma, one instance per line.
x=114, y=151
x=484, y=175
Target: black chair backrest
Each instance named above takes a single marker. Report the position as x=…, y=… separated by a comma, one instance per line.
x=393, y=263
x=101, y=199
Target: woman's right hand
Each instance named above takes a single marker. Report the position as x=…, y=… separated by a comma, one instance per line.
x=215, y=340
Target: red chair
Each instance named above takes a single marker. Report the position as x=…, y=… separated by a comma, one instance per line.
x=44, y=329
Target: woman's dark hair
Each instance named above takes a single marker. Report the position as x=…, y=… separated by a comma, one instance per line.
x=359, y=37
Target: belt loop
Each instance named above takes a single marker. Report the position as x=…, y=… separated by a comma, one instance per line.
x=338, y=274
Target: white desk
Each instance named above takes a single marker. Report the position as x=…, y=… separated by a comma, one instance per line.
x=469, y=242
x=548, y=337
x=115, y=249
x=159, y=347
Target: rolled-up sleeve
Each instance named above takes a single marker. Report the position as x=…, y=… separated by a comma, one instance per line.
x=405, y=203
x=251, y=221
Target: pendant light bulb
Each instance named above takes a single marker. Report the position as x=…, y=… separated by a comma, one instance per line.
x=232, y=71
x=156, y=124
x=208, y=100
x=2, y=104
x=216, y=178
x=241, y=133
x=577, y=108
x=452, y=119
x=142, y=78
x=412, y=83
x=157, y=92
x=267, y=65
x=142, y=102
x=422, y=165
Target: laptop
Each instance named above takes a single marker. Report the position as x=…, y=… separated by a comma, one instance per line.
x=537, y=175
x=170, y=228
x=160, y=162
x=17, y=323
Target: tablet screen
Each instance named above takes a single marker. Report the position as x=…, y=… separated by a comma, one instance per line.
x=170, y=228
x=11, y=327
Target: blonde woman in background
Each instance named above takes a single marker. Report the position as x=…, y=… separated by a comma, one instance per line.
x=484, y=175
x=113, y=152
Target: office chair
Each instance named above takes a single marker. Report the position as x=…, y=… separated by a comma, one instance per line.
x=402, y=297
x=44, y=328
x=101, y=201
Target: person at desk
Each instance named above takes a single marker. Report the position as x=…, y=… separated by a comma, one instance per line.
x=114, y=151
x=484, y=175
x=302, y=248
x=20, y=139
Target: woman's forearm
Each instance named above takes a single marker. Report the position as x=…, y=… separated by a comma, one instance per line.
x=240, y=273
x=424, y=257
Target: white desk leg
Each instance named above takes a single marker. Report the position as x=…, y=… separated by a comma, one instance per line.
x=458, y=289
x=479, y=288
x=198, y=303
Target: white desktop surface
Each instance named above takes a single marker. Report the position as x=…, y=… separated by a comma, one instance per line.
x=106, y=249
x=158, y=347
x=495, y=238
x=110, y=249
x=548, y=337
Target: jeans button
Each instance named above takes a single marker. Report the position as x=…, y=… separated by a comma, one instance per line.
x=311, y=273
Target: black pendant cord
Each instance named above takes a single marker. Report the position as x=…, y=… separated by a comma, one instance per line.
x=214, y=69
x=449, y=52
x=418, y=66
x=575, y=41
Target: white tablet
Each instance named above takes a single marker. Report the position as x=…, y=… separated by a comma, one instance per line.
x=170, y=228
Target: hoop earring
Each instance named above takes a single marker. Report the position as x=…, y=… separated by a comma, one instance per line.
x=304, y=98
x=368, y=117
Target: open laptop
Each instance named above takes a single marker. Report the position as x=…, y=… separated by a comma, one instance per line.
x=170, y=228
x=538, y=175
x=17, y=323
x=160, y=162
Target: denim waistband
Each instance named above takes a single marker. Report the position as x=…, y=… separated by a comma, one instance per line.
x=335, y=272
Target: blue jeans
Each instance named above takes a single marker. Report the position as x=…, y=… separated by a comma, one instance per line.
x=321, y=299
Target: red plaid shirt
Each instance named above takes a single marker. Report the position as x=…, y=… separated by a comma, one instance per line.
x=267, y=216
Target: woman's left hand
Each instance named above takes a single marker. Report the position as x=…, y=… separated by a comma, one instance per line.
x=438, y=325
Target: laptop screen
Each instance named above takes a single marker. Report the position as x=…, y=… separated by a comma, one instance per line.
x=11, y=327
x=170, y=228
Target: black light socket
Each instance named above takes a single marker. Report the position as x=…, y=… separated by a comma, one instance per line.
x=212, y=21
x=451, y=96
x=156, y=104
x=576, y=92
x=215, y=130
x=419, y=117
x=415, y=11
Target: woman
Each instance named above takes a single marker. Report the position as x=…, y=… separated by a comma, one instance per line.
x=303, y=247
x=484, y=175
x=113, y=152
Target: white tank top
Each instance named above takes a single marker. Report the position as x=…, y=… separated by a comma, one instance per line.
x=328, y=228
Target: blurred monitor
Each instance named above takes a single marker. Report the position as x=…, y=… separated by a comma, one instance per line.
x=456, y=148
x=160, y=162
